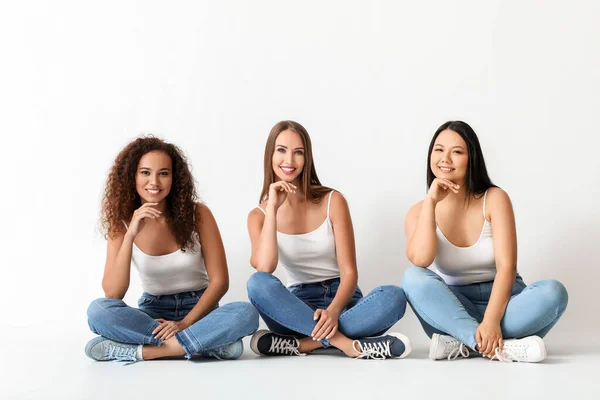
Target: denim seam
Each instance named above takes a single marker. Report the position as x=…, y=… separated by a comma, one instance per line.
x=183, y=338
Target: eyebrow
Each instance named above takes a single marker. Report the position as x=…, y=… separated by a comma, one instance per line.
x=162, y=169
x=454, y=147
x=285, y=147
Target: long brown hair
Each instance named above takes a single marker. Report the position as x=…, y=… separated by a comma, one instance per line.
x=311, y=186
x=121, y=198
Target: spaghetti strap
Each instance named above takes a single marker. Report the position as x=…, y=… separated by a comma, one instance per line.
x=264, y=212
x=125, y=223
x=484, y=197
x=329, y=203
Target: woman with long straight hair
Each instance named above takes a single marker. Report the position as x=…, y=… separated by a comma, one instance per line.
x=472, y=298
x=306, y=228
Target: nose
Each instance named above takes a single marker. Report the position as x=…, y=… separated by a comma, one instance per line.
x=289, y=157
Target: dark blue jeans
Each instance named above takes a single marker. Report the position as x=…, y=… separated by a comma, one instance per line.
x=115, y=320
x=290, y=311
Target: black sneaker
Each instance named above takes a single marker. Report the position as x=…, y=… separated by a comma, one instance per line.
x=267, y=343
x=392, y=345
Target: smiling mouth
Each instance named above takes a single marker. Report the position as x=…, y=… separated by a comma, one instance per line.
x=288, y=170
x=153, y=192
x=446, y=169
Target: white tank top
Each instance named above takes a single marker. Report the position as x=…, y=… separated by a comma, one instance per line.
x=309, y=257
x=466, y=265
x=172, y=273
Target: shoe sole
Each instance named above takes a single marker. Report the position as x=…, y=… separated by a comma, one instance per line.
x=405, y=340
x=92, y=343
x=435, y=340
x=543, y=346
x=254, y=341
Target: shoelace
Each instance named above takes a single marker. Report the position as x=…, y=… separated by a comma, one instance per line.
x=121, y=353
x=508, y=355
x=376, y=351
x=284, y=346
x=460, y=350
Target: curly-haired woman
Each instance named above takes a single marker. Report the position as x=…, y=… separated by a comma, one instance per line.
x=151, y=221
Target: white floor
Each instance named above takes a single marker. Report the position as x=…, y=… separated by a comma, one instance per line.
x=58, y=369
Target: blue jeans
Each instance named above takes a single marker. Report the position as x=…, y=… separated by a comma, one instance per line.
x=290, y=311
x=458, y=310
x=115, y=320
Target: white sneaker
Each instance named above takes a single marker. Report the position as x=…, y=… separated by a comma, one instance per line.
x=530, y=349
x=444, y=346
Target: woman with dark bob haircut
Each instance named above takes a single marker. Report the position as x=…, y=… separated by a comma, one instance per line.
x=152, y=221
x=472, y=299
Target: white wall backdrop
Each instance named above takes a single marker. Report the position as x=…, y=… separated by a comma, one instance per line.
x=370, y=80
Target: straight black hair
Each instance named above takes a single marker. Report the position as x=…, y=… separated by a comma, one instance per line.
x=477, y=180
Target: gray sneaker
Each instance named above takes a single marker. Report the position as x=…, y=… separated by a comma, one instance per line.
x=103, y=349
x=228, y=352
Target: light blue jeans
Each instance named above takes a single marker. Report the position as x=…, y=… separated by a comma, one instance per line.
x=115, y=320
x=290, y=311
x=458, y=310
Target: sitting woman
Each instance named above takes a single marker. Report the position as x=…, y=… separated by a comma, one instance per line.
x=472, y=298
x=153, y=223
x=306, y=228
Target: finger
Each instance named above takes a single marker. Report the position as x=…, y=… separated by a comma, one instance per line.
x=318, y=327
x=488, y=346
x=332, y=333
x=326, y=332
x=317, y=314
x=165, y=332
x=500, y=344
x=478, y=340
x=321, y=332
x=160, y=327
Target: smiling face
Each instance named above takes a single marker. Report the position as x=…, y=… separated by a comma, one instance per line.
x=449, y=157
x=154, y=176
x=288, y=157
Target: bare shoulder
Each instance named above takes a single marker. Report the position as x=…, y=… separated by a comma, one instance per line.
x=497, y=201
x=339, y=205
x=415, y=210
x=202, y=211
x=257, y=214
x=497, y=197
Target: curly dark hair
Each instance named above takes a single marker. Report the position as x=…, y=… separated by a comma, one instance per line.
x=121, y=198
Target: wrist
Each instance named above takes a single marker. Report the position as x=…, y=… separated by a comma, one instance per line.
x=429, y=199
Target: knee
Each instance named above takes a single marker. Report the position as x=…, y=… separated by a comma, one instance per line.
x=554, y=294
x=414, y=279
x=98, y=314
x=395, y=297
x=97, y=308
x=259, y=283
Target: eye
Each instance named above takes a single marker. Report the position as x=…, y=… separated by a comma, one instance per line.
x=300, y=152
x=145, y=172
x=164, y=173
x=437, y=150
x=281, y=150
x=457, y=151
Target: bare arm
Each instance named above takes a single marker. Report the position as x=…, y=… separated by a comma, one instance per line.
x=117, y=268
x=215, y=262
x=504, y=233
x=118, y=256
x=263, y=235
x=345, y=252
x=419, y=227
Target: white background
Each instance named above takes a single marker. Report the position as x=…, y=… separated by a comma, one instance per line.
x=370, y=80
